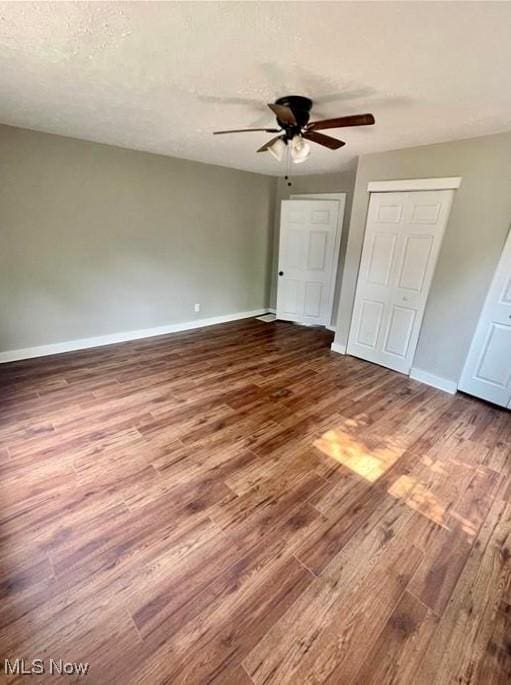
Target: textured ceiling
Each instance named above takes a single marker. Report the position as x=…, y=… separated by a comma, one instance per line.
x=161, y=76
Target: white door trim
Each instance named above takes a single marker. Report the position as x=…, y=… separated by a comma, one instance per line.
x=447, y=183
x=341, y=199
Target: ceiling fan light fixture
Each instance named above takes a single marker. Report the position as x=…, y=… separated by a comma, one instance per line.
x=277, y=149
x=300, y=149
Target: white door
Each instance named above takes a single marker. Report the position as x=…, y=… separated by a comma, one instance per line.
x=403, y=236
x=487, y=372
x=307, y=257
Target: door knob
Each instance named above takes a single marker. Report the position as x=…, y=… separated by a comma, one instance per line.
x=281, y=273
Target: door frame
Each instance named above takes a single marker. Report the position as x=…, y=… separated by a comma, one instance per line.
x=411, y=184
x=341, y=199
x=399, y=186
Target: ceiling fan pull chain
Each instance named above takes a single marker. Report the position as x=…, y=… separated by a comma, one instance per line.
x=288, y=167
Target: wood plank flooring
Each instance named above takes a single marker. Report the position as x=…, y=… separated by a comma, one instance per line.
x=240, y=505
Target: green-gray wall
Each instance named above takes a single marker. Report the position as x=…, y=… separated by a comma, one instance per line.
x=475, y=235
x=97, y=240
x=342, y=182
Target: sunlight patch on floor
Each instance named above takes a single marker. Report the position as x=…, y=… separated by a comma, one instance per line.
x=370, y=464
x=471, y=529
x=417, y=497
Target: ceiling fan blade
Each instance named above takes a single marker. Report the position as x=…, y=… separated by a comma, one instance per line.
x=264, y=147
x=245, y=130
x=284, y=114
x=340, y=122
x=321, y=139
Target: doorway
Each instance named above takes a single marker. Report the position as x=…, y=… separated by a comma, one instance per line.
x=310, y=234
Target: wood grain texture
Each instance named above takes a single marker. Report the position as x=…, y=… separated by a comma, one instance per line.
x=239, y=505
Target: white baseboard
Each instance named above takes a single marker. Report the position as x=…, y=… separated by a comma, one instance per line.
x=98, y=341
x=337, y=347
x=435, y=381
x=331, y=328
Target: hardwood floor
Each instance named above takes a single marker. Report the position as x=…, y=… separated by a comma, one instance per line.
x=239, y=505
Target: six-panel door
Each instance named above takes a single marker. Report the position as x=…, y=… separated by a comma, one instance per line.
x=403, y=236
x=306, y=260
x=487, y=372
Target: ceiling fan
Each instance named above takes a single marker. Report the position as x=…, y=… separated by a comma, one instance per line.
x=293, y=113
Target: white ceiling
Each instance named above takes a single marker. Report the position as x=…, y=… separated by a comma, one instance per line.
x=161, y=76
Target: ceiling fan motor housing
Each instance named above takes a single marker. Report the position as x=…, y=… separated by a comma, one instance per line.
x=301, y=108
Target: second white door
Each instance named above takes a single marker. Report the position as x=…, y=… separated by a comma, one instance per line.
x=487, y=371
x=403, y=236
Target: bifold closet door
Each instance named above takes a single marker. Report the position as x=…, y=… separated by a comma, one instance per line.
x=403, y=235
x=487, y=372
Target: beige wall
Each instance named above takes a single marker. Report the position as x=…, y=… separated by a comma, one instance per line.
x=96, y=239
x=478, y=225
x=315, y=183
